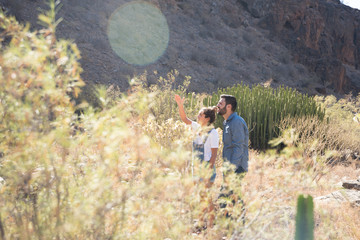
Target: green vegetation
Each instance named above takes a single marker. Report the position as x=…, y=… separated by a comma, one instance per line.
x=264, y=108
x=304, y=218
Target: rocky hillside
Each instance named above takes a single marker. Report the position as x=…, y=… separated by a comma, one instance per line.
x=311, y=45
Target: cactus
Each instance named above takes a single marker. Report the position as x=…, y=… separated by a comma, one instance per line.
x=263, y=108
x=304, y=218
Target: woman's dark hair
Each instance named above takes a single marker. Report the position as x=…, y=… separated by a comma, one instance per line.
x=210, y=112
x=229, y=99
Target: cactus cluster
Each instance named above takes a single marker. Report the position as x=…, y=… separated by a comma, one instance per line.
x=263, y=108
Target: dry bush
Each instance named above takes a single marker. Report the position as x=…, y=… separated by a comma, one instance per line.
x=334, y=222
x=119, y=172
x=109, y=180
x=321, y=137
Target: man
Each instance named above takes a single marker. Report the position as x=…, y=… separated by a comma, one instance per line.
x=235, y=140
x=235, y=134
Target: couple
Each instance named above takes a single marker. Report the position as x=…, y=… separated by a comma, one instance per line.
x=235, y=133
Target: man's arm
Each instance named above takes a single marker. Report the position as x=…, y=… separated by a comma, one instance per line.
x=238, y=141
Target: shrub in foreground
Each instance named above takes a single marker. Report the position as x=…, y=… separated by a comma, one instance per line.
x=99, y=175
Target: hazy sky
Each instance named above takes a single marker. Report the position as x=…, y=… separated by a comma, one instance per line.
x=352, y=3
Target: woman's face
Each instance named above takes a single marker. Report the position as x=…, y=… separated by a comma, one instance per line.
x=202, y=120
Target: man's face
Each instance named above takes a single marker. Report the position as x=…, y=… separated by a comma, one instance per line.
x=221, y=106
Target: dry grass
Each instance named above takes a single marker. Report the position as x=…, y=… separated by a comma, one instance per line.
x=337, y=222
x=275, y=180
x=270, y=190
x=318, y=137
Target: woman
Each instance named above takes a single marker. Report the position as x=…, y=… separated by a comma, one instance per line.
x=206, y=142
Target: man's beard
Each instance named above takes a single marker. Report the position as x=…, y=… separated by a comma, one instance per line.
x=222, y=111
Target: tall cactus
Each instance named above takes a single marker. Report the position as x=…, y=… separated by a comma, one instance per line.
x=263, y=108
x=304, y=218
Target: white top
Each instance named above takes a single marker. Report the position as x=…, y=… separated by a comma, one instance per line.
x=212, y=140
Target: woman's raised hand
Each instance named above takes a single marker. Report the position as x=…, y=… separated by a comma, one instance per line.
x=179, y=100
x=180, y=103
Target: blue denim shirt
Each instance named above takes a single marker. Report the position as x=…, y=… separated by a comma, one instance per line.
x=236, y=140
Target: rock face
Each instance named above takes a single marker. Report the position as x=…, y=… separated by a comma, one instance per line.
x=310, y=45
x=321, y=34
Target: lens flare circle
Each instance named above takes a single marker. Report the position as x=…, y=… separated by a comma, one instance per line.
x=138, y=33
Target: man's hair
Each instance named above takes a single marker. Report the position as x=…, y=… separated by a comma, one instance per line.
x=229, y=99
